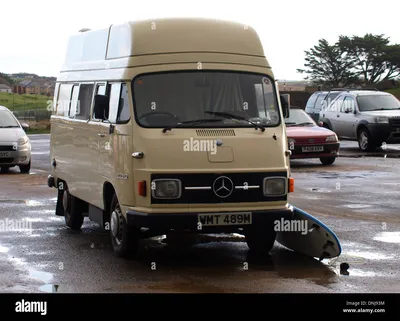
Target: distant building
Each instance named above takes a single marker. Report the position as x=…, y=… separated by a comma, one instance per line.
x=5, y=89
x=32, y=87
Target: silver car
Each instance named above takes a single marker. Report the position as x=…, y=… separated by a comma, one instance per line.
x=15, y=147
x=369, y=117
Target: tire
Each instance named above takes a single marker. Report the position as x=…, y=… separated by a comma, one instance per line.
x=72, y=210
x=365, y=141
x=327, y=160
x=25, y=168
x=260, y=241
x=5, y=169
x=124, y=239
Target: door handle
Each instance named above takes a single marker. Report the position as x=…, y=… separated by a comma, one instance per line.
x=101, y=134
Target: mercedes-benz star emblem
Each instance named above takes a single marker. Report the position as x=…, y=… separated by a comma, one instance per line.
x=223, y=186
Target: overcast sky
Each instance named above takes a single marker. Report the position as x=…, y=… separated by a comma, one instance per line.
x=34, y=33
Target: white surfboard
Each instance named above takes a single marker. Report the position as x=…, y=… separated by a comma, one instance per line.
x=319, y=241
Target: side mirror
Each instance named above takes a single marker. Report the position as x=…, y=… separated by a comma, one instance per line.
x=24, y=126
x=285, y=103
x=101, y=107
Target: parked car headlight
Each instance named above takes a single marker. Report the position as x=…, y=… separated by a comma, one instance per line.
x=332, y=138
x=275, y=186
x=23, y=140
x=382, y=120
x=166, y=188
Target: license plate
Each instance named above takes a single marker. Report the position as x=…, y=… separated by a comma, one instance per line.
x=4, y=154
x=313, y=149
x=225, y=219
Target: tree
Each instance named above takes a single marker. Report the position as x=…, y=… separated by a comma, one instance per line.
x=7, y=79
x=377, y=60
x=329, y=65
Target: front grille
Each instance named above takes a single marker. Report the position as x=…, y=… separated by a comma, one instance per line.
x=395, y=122
x=198, y=188
x=310, y=141
x=215, y=132
x=6, y=160
x=6, y=148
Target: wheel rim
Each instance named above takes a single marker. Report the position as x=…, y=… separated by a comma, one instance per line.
x=116, y=223
x=363, y=140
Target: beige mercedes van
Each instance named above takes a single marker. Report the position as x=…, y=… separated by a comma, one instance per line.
x=170, y=125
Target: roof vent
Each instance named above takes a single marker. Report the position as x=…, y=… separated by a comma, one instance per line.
x=84, y=30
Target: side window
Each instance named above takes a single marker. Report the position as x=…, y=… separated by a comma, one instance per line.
x=320, y=100
x=336, y=104
x=85, y=102
x=74, y=103
x=101, y=89
x=311, y=102
x=124, y=113
x=114, y=102
x=348, y=104
x=64, y=99
x=260, y=100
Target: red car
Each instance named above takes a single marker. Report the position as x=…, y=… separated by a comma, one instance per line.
x=308, y=140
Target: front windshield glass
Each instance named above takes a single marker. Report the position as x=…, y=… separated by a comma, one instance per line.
x=7, y=119
x=377, y=102
x=298, y=117
x=188, y=99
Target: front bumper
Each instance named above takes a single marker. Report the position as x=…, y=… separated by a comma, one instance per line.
x=329, y=150
x=190, y=221
x=17, y=157
x=384, y=133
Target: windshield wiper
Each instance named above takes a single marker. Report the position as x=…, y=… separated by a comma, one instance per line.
x=303, y=124
x=10, y=126
x=198, y=121
x=231, y=116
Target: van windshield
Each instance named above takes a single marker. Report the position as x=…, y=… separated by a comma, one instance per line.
x=206, y=99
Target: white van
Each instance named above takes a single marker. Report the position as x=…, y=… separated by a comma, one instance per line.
x=170, y=125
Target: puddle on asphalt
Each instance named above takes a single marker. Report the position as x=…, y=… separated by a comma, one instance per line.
x=4, y=249
x=42, y=212
x=370, y=255
x=12, y=201
x=320, y=190
x=388, y=237
x=358, y=272
x=49, y=288
x=355, y=206
x=33, y=203
x=45, y=277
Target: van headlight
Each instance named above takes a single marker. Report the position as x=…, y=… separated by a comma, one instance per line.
x=275, y=186
x=166, y=188
x=23, y=140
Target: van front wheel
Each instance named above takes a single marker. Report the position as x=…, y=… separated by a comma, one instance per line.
x=124, y=239
x=260, y=241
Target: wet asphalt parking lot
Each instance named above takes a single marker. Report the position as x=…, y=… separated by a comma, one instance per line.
x=358, y=197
